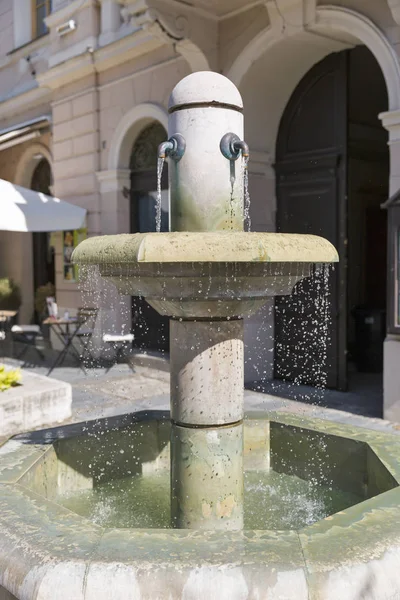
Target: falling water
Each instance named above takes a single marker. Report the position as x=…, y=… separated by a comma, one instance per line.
x=160, y=166
x=247, y=218
x=232, y=179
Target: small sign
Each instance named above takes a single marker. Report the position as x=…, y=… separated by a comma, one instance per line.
x=71, y=239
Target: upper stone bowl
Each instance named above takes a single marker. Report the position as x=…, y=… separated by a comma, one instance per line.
x=205, y=274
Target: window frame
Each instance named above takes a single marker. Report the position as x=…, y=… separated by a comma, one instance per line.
x=34, y=10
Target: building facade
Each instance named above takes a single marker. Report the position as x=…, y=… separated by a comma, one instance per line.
x=84, y=86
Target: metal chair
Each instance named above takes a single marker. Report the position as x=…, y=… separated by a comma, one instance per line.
x=119, y=342
x=27, y=335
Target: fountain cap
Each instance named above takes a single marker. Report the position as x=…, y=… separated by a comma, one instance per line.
x=205, y=88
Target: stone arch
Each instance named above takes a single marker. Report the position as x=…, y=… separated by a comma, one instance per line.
x=28, y=163
x=129, y=129
x=330, y=20
x=267, y=72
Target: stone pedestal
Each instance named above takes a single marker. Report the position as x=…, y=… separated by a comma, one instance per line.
x=206, y=372
x=207, y=430
x=391, y=379
x=207, y=477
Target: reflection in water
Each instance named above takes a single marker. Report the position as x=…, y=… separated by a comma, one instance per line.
x=272, y=501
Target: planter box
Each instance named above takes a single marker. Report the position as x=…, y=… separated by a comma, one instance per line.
x=37, y=402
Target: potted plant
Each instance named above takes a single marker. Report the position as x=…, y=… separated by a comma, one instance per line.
x=43, y=292
x=9, y=378
x=10, y=294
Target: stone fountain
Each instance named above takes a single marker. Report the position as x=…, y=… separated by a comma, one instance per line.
x=206, y=274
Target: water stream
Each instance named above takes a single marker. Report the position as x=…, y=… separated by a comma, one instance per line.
x=247, y=218
x=160, y=166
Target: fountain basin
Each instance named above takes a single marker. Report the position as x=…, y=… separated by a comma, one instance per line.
x=205, y=274
x=45, y=546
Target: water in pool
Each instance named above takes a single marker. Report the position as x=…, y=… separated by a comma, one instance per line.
x=272, y=501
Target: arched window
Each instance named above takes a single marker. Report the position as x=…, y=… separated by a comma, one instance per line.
x=144, y=151
x=143, y=165
x=43, y=251
x=41, y=177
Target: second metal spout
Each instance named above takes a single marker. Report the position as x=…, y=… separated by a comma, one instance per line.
x=174, y=148
x=231, y=146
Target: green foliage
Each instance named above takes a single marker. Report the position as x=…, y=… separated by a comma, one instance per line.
x=9, y=378
x=10, y=294
x=43, y=292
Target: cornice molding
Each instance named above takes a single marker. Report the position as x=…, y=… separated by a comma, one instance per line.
x=68, y=72
x=291, y=15
x=125, y=49
x=16, y=104
x=169, y=28
x=148, y=31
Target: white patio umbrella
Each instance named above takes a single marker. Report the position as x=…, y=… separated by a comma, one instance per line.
x=22, y=209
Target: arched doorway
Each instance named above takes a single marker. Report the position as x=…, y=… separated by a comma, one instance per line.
x=43, y=250
x=151, y=329
x=332, y=171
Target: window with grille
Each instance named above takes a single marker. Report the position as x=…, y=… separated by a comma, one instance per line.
x=40, y=10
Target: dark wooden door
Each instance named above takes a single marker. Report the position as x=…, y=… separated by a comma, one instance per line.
x=311, y=198
x=43, y=252
x=150, y=329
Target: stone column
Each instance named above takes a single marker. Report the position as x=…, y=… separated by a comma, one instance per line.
x=207, y=477
x=207, y=424
x=206, y=194
x=391, y=374
x=206, y=189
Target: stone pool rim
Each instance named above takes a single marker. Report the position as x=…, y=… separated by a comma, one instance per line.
x=50, y=545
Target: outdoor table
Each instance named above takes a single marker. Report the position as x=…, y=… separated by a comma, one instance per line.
x=66, y=334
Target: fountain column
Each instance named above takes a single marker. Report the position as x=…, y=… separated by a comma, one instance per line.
x=207, y=431
x=206, y=194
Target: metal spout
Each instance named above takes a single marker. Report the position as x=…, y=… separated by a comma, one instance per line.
x=165, y=149
x=241, y=146
x=174, y=148
x=231, y=146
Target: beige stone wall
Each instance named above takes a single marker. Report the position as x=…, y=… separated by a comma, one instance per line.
x=75, y=163
x=85, y=117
